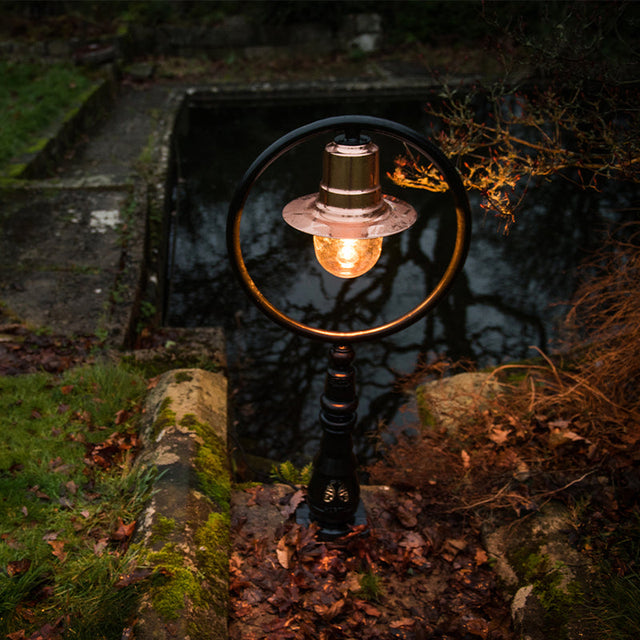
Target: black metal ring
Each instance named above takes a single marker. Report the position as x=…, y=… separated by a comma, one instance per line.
x=350, y=124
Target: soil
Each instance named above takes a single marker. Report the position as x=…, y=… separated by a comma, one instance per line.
x=406, y=574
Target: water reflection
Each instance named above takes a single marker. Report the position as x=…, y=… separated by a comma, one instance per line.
x=499, y=307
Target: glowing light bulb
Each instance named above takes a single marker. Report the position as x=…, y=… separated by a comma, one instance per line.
x=347, y=258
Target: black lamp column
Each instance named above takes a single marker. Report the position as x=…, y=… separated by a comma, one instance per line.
x=333, y=495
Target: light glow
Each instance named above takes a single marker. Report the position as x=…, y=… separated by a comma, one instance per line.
x=347, y=258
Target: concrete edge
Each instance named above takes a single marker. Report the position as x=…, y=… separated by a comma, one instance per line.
x=184, y=530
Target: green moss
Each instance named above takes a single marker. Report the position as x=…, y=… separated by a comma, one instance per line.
x=211, y=462
x=146, y=161
x=243, y=486
x=201, y=586
x=370, y=587
x=213, y=543
x=213, y=474
x=183, y=376
x=558, y=599
x=38, y=145
x=175, y=585
x=170, y=359
x=17, y=169
x=162, y=528
x=190, y=422
x=166, y=417
x=427, y=418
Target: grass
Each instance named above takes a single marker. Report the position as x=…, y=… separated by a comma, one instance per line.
x=32, y=97
x=69, y=499
x=613, y=602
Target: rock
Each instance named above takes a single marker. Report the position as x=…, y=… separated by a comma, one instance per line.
x=533, y=554
x=528, y=615
x=451, y=402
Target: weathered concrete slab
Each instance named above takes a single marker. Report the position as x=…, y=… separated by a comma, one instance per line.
x=185, y=527
x=60, y=256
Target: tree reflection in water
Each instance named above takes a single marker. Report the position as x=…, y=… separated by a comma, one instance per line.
x=499, y=307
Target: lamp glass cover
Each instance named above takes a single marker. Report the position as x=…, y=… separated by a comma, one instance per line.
x=347, y=258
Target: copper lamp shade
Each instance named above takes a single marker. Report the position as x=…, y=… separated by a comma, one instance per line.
x=349, y=203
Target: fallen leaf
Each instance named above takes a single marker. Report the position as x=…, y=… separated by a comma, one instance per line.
x=466, y=459
x=18, y=567
x=477, y=627
x=57, y=548
x=100, y=546
x=457, y=543
x=139, y=574
x=408, y=510
x=412, y=540
x=42, y=495
x=558, y=424
x=49, y=631
x=123, y=531
x=452, y=547
x=351, y=583
x=522, y=473
x=499, y=436
x=330, y=611
x=403, y=622
x=367, y=608
x=284, y=553
x=480, y=556
x=66, y=389
x=294, y=502
x=559, y=437
x=254, y=495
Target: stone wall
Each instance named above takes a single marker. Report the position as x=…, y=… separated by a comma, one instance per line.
x=362, y=32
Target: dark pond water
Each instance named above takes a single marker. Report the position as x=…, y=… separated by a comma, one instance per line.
x=505, y=301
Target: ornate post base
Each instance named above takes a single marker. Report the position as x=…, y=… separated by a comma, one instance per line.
x=333, y=494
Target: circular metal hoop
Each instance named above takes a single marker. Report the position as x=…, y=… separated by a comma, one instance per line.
x=351, y=125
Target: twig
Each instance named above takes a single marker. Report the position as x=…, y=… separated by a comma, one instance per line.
x=566, y=486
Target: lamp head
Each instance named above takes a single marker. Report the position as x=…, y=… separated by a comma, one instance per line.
x=349, y=215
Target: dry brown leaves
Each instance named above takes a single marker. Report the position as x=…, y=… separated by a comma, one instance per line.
x=117, y=449
x=402, y=577
x=24, y=351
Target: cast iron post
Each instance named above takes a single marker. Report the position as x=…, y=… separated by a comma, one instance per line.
x=333, y=495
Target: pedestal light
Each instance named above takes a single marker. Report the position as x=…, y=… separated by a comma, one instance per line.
x=348, y=218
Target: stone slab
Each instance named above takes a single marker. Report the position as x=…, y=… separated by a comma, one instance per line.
x=172, y=445
x=60, y=255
